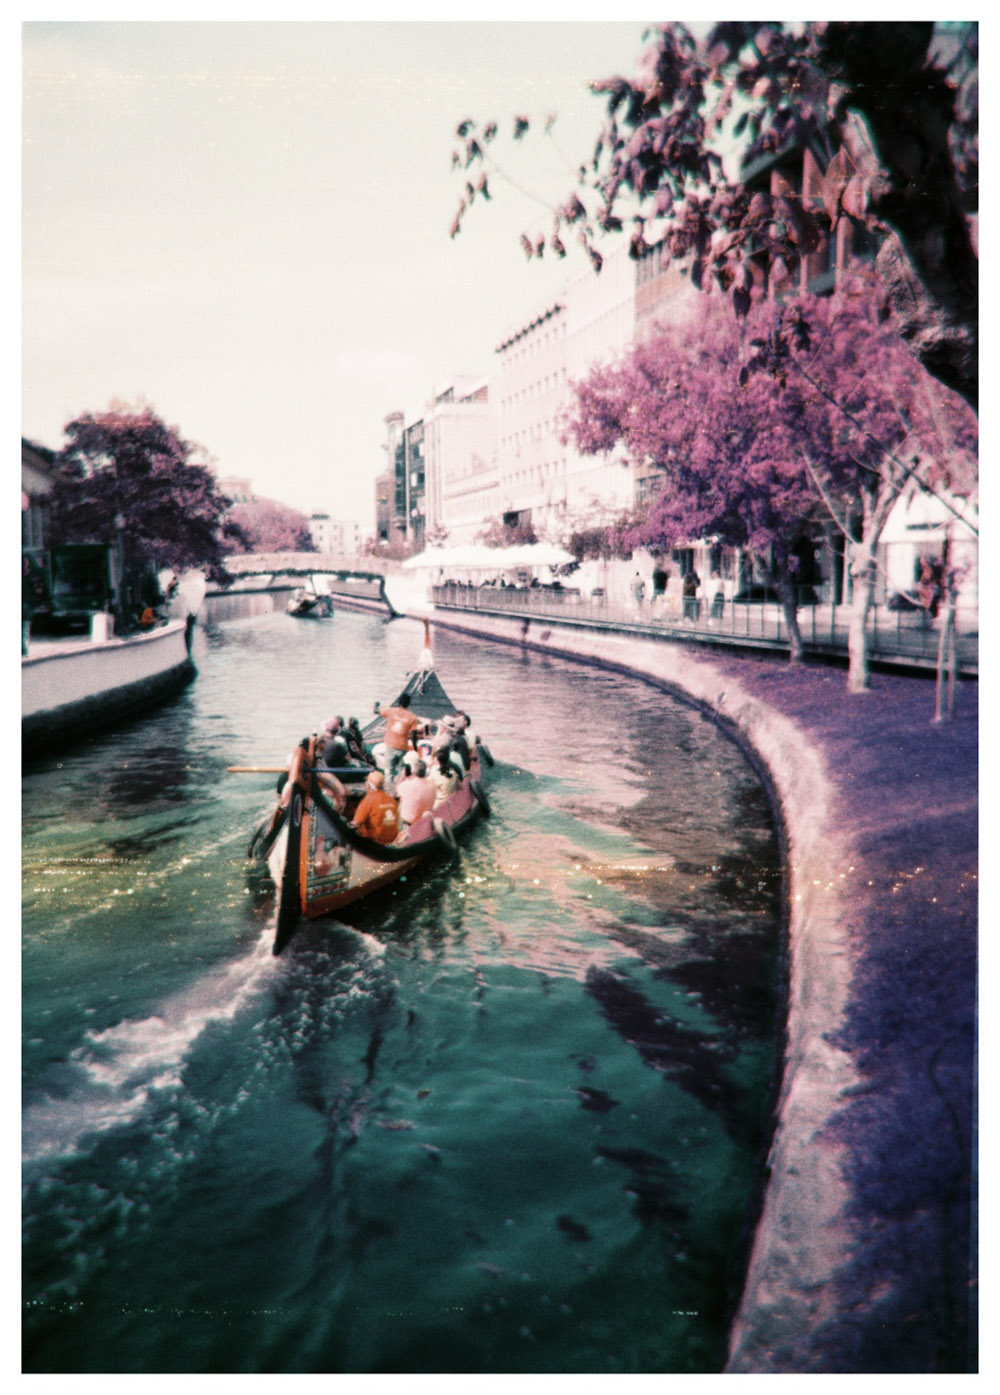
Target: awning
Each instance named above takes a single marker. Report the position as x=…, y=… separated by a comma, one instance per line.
x=478, y=557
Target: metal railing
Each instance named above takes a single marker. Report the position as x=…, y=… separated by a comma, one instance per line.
x=895, y=636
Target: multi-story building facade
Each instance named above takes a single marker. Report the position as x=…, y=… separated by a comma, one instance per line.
x=37, y=465
x=383, y=506
x=335, y=535
x=461, y=461
x=397, y=511
x=542, y=479
x=531, y=387
x=415, y=483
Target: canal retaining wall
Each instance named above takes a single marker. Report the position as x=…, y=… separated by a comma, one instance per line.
x=788, y=1319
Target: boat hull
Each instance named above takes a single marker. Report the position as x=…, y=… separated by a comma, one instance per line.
x=75, y=688
x=329, y=872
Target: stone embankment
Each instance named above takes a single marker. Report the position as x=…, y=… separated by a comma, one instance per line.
x=863, y=1257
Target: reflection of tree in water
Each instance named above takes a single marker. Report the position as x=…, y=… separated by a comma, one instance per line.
x=693, y=1060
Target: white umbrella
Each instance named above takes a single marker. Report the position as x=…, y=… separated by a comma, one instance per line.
x=433, y=557
x=536, y=555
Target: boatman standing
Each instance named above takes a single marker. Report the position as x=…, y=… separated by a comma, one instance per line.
x=400, y=725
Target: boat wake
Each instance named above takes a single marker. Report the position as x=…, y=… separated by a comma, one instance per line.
x=116, y=1072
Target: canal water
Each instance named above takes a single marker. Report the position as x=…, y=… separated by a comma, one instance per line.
x=509, y=1119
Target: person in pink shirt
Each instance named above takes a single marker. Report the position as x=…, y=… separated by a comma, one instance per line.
x=416, y=795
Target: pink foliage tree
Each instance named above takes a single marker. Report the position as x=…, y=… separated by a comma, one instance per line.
x=888, y=112
x=268, y=526
x=124, y=477
x=766, y=428
x=729, y=467
x=890, y=426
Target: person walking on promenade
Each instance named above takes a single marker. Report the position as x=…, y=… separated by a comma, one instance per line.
x=717, y=594
x=692, y=582
x=638, y=591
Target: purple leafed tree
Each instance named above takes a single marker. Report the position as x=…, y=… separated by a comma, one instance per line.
x=125, y=477
x=827, y=420
x=888, y=113
x=725, y=452
x=890, y=426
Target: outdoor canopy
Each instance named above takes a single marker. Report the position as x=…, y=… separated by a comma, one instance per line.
x=478, y=557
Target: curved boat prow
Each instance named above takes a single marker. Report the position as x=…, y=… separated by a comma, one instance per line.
x=290, y=900
x=426, y=654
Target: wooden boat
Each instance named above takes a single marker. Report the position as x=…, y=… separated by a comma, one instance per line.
x=319, y=863
x=306, y=605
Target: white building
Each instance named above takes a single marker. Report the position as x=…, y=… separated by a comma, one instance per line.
x=927, y=526
x=542, y=480
x=460, y=451
x=339, y=536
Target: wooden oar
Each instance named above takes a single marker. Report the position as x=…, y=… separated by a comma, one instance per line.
x=256, y=769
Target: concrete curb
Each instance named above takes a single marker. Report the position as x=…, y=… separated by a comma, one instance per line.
x=802, y=1236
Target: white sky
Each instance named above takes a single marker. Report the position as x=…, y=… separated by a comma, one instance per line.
x=245, y=224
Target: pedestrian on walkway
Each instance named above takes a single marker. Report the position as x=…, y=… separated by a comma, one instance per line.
x=717, y=594
x=692, y=584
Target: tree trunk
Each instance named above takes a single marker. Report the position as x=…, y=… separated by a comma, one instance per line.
x=944, y=687
x=790, y=609
x=859, y=678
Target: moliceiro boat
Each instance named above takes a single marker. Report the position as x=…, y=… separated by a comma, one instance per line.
x=319, y=862
x=310, y=605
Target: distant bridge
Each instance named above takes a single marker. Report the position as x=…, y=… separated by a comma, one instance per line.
x=305, y=563
x=355, y=582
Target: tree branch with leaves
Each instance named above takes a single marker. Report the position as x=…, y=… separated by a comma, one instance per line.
x=888, y=111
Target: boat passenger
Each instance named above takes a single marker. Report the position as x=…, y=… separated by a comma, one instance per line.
x=335, y=752
x=400, y=726
x=416, y=795
x=328, y=759
x=377, y=816
x=355, y=742
x=444, y=776
x=444, y=733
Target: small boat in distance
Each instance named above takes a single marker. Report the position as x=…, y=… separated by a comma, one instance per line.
x=319, y=862
x=310, y=605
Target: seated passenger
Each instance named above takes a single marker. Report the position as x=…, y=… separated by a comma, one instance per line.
x=443, y=733
x=377, y=816
x=444, y=776
x=411, y=760
x=416, y=794
x=328, y=759
x=355, y=742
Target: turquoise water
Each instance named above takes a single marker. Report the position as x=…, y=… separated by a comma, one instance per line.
x=508, y=1119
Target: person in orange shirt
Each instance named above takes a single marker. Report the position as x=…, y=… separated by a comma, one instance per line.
x=377, y=816
x=400, y=726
